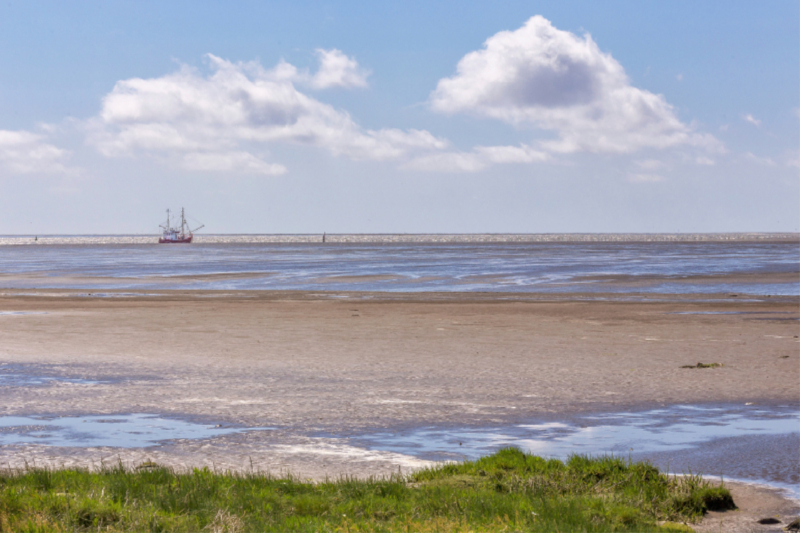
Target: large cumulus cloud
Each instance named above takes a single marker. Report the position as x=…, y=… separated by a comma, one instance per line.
x=225, y=120
x=554, y=80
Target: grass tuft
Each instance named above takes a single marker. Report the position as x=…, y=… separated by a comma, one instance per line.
x=506, y=491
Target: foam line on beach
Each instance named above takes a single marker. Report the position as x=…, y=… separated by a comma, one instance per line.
x=344, y=451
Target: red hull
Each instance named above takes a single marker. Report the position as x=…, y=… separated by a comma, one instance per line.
x=177, y=241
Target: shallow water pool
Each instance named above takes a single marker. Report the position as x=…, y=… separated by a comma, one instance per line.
x=120, y=431
x=743, y=441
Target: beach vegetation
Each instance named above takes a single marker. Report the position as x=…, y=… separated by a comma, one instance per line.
x=507, y=491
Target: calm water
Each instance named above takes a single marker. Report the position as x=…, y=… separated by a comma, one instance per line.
x=747, y=442
x=121, y=431
x=524, y=266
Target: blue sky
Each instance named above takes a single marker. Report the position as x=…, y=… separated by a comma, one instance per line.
x=296, y=117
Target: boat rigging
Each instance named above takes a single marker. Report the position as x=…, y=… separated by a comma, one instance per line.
x=179, y=234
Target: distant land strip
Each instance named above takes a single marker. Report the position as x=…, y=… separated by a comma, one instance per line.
x=408, y=238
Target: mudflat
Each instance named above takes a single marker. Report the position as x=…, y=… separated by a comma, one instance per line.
x=319, y=366
x=355, y=360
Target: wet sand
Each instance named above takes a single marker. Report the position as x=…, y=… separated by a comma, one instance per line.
x=754, y=503
x=320, y=366
x=351, y=360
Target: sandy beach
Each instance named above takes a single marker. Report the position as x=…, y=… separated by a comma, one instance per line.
x=320, y=366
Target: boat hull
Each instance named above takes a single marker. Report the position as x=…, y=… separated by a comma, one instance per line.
x=185, y=240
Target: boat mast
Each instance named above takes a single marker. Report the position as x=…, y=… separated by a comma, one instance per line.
x=167, y=228
x=183, y=223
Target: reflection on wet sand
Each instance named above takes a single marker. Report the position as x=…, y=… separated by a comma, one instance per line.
x=675, y=438
x=116, y=431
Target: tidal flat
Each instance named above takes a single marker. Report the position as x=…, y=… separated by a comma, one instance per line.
x=303, y=379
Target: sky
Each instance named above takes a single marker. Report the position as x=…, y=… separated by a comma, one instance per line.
x=400, y=117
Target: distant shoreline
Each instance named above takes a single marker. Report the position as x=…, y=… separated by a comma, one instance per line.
x=416, y=238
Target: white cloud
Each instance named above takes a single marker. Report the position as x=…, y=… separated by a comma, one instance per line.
x=230, y=162
x=649, y=164
x=554, y=80
x=752, y=120
x=338, y=70
x=766, y=161
x=792, y=158
x=706, y=161
x=480, y=158
x=645, y=178
x=679, y=77
x=511, y=154
x=211, y=122
x=23, y=152
x=447, y=162
x=335, y=70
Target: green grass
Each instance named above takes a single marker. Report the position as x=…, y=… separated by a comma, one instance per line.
x=507, y=491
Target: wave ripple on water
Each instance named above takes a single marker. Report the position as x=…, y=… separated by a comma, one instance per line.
x=410, y=263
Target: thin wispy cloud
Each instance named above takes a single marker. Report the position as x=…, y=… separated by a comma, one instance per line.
x=645, y=178
x=480, y=158
x=232, y=161
x=24, y=152
x=752, y=158
x=792, y=158
x=649, y=164
x=752, y=120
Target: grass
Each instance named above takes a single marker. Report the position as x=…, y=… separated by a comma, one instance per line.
x=507, y=491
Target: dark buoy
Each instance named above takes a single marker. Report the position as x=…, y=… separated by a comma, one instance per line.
x=323, y=238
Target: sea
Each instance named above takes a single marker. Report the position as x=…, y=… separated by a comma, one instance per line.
x=754, y=264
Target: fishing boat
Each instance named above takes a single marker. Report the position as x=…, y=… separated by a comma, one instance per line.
x=179, y=234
